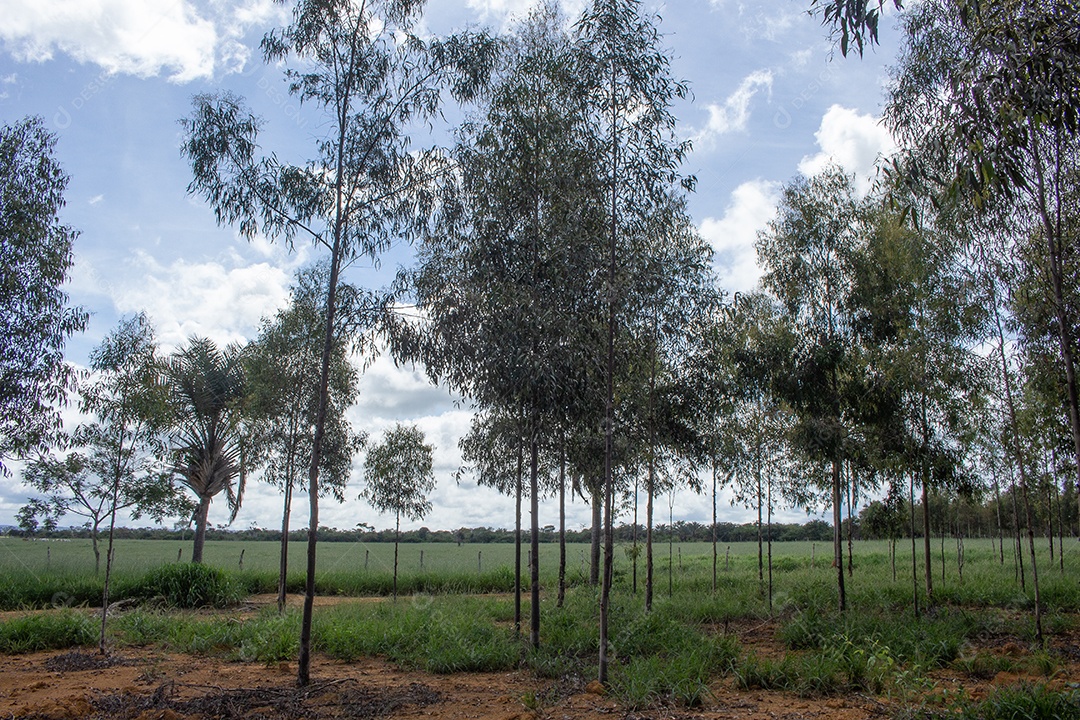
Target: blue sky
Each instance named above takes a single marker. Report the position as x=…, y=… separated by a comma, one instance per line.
x=112, y=78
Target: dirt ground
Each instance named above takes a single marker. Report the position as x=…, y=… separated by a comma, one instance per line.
x=149, y=684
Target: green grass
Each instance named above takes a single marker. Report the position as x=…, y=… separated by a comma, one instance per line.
x=453, y=616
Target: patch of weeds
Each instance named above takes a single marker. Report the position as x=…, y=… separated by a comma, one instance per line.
x=1007, y=703
x=48, y=631
x=190, y=585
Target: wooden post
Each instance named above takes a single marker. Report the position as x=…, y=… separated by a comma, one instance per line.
x=421, y=559
x=242, y=558
x=367, y=556
x=479, y=564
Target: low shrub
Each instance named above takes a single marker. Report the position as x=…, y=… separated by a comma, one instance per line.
x=189, y=585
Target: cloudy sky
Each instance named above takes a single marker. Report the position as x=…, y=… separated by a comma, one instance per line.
x=111, y=78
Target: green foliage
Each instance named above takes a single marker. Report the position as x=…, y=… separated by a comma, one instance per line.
x=398, y=473
x=189, y=585
x=35, y=258
x=48, y=631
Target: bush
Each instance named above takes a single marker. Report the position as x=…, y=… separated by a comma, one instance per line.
x=189, y=585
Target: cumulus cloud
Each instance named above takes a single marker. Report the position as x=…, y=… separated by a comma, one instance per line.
x=178, y=39
x=207, y=298
x=752, y=206
x=851, y=140
x=733, y=114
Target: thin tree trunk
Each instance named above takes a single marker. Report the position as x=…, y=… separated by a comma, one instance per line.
x=838, y=548
x=914, y=554
x=102, y=649
x=97, y=550
x=650, y=493
x=562, y=522
x=597, y=537
x=714, y=552
x=517, y=544
x=634, y=535
x=671, y=544
x=283, y=568
x=534, y=543
x=397, y=539
x=926, y=536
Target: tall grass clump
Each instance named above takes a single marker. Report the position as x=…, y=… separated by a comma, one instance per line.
x=48, y=631
x=189, y=585
x=441, y=635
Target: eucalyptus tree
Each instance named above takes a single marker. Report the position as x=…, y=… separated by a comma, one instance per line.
x=399, y=476
x=987, y=99
x=283, y=370
x=207, y=390
x=807, y=253
x=35, y=319
x=630, y=91
x=374, y=79
x=505, y=281
x=117, y=461
x=916, y=309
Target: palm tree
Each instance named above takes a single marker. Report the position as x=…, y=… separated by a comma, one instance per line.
x=207, y=387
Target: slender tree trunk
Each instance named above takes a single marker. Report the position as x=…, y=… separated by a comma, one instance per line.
x=760, y=531
x=97, y=550
x=671, y=544
x=926, y=536
x=850, y=524
x=1001, y=528
x=914, y=554
x=517, y=544
x=768, y=539
x=634, y=534
x=714, y=552
x=283, y=567
x=534, y=543
x=597, y=537
x=562, y=523
x=397, y=540
x=200, y=528
x=102, y=648
x=650, y=493
x=838, y=548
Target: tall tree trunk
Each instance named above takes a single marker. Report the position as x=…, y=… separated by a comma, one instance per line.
x=102, y=649
x=650, y=493
x=283, y=567
x=715, y=462
x=634, y=535
x=517, y=543
x=926, y=536
x=200, y=528
x=562, y=522
x=914, y=554
x=534, y=543
x=397, y=540
x=596, y=537
x=838, y=548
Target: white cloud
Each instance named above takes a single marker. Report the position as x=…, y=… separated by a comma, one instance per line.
x=852, y=141
x=180, y=39
x=503, y=11
x=209, y=299
x=95, y=200
x=734, y=113
x=752, y=206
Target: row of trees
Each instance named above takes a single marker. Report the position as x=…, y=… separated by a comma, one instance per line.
x=921, y=337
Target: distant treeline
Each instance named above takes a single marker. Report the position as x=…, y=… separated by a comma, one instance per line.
x=816, y=530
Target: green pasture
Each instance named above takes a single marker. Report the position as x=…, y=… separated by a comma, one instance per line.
x=457, y=616
x=799, y=569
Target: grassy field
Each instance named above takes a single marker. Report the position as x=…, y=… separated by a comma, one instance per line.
x=448, y=622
